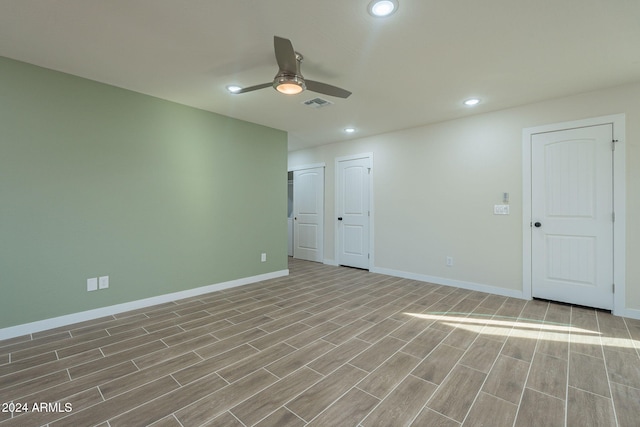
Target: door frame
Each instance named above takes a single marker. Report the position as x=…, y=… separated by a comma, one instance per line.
x=322, y=231
x=619, y=203
x=336, y=213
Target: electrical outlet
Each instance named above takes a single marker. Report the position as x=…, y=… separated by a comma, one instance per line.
x=103, y=282
x=501, y=209
x=92, y=284
x=263, y=257
x=449, y=261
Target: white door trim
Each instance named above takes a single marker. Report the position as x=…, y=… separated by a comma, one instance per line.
x=619, y=204
x=336, y=204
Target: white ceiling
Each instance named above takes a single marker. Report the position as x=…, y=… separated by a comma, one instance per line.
x=414, y=68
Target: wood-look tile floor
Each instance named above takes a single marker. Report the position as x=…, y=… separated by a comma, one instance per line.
x=330, y=346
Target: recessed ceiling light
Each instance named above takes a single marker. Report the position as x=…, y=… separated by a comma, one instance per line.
x=349, y=130
x=234, y=88
x=471, y=102
x=382, y=8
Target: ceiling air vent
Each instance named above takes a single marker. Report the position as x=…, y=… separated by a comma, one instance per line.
x=317, y=103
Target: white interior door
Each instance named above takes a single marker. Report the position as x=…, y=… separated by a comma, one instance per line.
x=572, y=216
x=308, y=214
x=353, y=212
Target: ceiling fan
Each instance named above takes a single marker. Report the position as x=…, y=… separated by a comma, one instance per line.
x=289, y=80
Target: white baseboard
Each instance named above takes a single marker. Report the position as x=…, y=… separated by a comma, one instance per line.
x=332, y=262
x=69, y=319
x=628, y=312
x=480, y=287
x=624, y=312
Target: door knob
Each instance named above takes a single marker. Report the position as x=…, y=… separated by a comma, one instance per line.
x=538, y=224
x=339, y=218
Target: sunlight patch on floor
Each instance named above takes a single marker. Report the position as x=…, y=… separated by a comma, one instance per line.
x=526, y=328
x=456, y=320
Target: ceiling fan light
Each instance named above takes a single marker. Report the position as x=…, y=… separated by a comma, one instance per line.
x=234, y=88
x=289, y=85
x=289, y=88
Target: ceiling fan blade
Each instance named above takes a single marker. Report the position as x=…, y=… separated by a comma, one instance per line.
x=327, y=89
x=285, y=55
x=256, y=87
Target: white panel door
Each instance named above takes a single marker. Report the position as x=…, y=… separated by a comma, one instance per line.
x=308, y=214
x=353, y=212
x=572, y=216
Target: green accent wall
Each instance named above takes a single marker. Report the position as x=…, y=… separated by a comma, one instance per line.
x=96, y=180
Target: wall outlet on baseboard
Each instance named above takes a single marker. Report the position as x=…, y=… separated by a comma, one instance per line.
x=449, y=261
x=92, y=284
x=263, y=257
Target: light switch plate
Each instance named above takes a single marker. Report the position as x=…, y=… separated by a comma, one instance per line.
x=501, y=209
x=103, y=282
